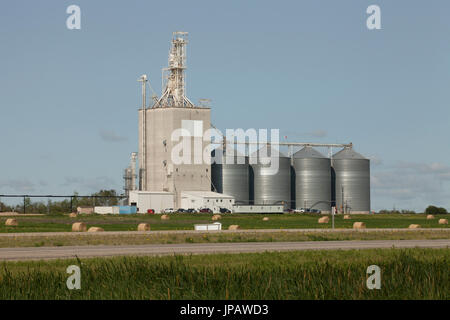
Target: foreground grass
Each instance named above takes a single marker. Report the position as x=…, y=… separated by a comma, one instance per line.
x=406, y=274
x=186, y=222
x=80, y=239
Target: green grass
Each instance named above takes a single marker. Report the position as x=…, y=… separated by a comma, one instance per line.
x=187, y=221
x=81, y=239
x=406, y=274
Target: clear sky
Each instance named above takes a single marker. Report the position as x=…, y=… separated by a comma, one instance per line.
x=69, y=98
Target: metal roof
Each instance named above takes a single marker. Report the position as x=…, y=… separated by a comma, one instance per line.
x=348, y=153
x=308, y=152
x=267, y=152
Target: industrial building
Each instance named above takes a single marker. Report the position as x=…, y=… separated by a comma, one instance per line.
x=305, y=178
x=206, y=199
x=155, y=200
x=173, y=118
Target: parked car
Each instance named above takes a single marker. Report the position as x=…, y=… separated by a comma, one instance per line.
x=205, y=210
x=191, y=210
x=168, y=210
x=181, y=210
x=301, y=210
x=224, y=210
x=151, y=211
x=315, y=211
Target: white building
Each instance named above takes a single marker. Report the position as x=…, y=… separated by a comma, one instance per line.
x=156, y=200
x=206, y=199
x=260, y=208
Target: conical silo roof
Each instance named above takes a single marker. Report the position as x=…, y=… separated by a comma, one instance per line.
x=266, y=151
x=348, y=153
x=308, y=152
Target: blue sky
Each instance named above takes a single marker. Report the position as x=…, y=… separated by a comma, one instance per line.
x=69, y=98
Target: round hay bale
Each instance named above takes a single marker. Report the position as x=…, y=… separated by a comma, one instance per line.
x=359, y=225
x=430, y=217
x=414, y=226
x=11, y=223
x=143, y=227
x=443, y=221
x=73, y=215
x=324, y=220
x=165, y=217
x=79, y=227
x=234, y=227
x=347, y=217
x=265, y=219
x=216, y=217
x=95, y=229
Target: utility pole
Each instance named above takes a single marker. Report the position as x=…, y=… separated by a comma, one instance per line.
x=332, y=217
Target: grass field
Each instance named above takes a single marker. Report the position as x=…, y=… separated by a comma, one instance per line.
x=186, y=222
x=81, y=239
x=405, y=274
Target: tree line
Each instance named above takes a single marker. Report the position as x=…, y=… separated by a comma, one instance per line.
x=49, y=206
x=429, y=210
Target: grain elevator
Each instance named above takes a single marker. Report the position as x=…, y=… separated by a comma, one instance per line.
x=175, y=156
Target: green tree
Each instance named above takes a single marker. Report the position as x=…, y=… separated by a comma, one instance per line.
x=435, y=210
x=109, y=200
x=5, y=208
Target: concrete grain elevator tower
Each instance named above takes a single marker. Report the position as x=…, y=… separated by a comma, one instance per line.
x=158, y=169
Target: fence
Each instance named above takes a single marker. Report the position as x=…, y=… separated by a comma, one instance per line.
x=74, y=201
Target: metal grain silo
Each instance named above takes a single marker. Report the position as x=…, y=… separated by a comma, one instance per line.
x=230, y=174
x=312, y=179
x=270, y=186
x=352, y=181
